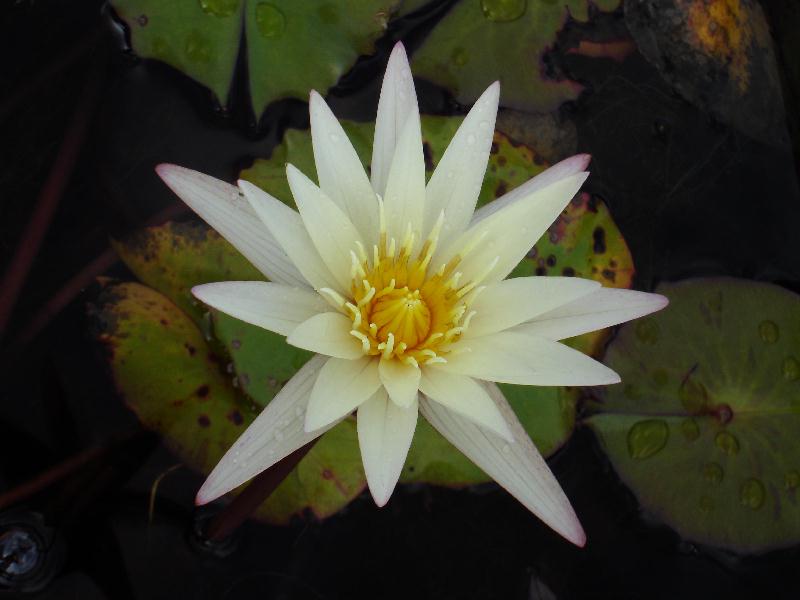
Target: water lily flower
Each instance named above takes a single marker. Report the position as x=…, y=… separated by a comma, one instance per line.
x=399, y=287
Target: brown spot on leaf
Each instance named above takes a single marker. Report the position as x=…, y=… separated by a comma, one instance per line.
x=202, y=391
x=541, y=271
x=235, y=417
x=189, y=348
x=568, y=272
x=599, y=237
x=164, y=322
x=203, y=421
x=609, y=274
x=551, y=261
x=495, y=148
x=501, y=189
x=236, y=344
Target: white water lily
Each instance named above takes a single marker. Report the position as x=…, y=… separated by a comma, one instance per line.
x=399, y=288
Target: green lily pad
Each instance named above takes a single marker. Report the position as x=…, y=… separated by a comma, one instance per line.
x=705, y=428
x=480, y=41
x=202, y=39
x=174, y=383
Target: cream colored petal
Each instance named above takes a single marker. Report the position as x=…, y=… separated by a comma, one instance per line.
x=385, y=431
x=517, y=467
x=405, y=189
x=398, y=102
x=457, y=180
x=400, y=380
x=273, y=306
x=491, y=248
x=566, y=168
x=287, y=227
x=467, y=397
x=277, y=432
x=341, y=387
x=513, y=301
x=512, y=357
x=327, y=333
x=220, y=205
x=332, y=233
x=603, y=308
x=341, y=174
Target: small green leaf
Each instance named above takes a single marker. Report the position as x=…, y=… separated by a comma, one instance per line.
x=705, y=428
x=480, y=41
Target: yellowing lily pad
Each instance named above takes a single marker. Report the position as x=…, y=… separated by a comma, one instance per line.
x=177, y=386
x=705, y=428
x=480, y=41
x=202, y=39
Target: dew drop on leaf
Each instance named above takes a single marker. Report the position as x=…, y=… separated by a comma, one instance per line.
x=647, y=438
x=219, y=8
x=768, y=332
x=727, y=442
x=503, y=11
x=790, y=368
x=270, y=21
x=751, y=494
x=713, y=473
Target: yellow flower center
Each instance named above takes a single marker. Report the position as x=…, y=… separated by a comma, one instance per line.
x=400, y=309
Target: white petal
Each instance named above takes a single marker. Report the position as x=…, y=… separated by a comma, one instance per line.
x=400, y=380
x=457, y=180
x=513, y=301
x=327, y=333
x=385, y=431
x=602, y=308
x=332, y=233
x=467, y=397
x=508, y=235
x=273, y=306
x=220, y=205
x=341, y=387
x=512, y=357
x=276, y=433
x=517, y=467
x=405, y=189
x=566, y=168
x=287, y=227
x=397, y=103
x=341, y=174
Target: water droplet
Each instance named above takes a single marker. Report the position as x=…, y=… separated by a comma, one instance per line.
x=791, y=481
x=506, y=449
x=502, y=11
x=660, y=377
x=751, y=494
x=198, y=48
x=693, y=395
x=790, y=368
x=334, y=137
x=706, y=504
x=219, y=8
x=449, y=174
x=459, y=57
x=727, y=442
x=328, y=14
x=647, y=438
x=471, y=139
x=768, y=332
x=647, y=331
x=269, y=20
x=713, y=473
x=483, y=124
x=690, y=429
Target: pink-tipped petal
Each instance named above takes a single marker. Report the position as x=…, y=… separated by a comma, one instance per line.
x=518, y=467
x=221, y=206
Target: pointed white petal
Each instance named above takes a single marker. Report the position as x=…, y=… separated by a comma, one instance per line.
x=512, y=357
x=276, y=433
x=341, y=174
x=398, y=102
x=405, y=189
x=400, y=380
x=467, y=397
x=603, y=308
x=511, y=232
x=327, y=333
x=513, y=301
x=385, y=431
x=517, y=467
x=287, y=227
x=567, y=167
x=456, y=182
x=341, y=387
x=332, y=233
x=273, y=306
x=220, y=205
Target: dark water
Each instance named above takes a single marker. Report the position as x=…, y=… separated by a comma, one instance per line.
x=691, y=195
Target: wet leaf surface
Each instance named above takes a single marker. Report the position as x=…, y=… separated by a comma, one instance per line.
x=478, y=42
x=202, y=39
x=176, y=385
x=705, y=428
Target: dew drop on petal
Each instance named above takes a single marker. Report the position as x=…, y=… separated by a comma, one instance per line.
x=471, y=139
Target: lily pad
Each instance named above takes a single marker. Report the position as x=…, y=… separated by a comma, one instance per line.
x=202, y=39
x=479, y=41
x=705, y=428
x=177, y=386
x=584, y=241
